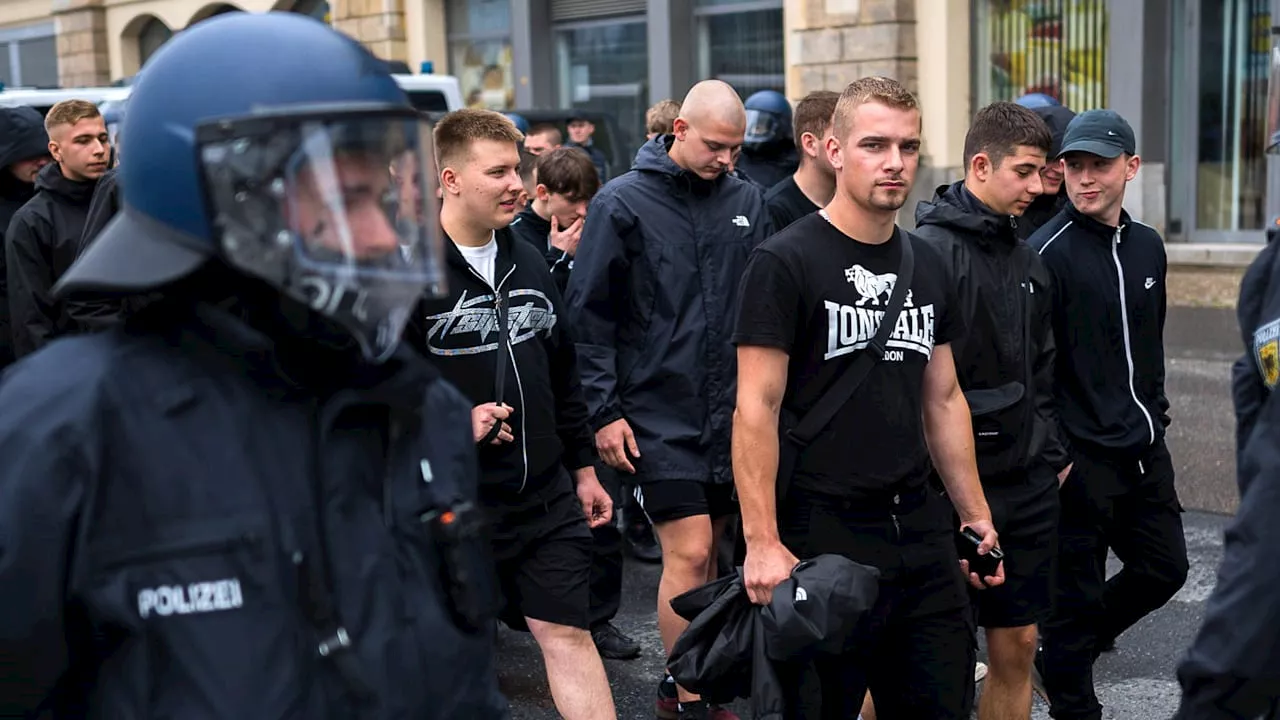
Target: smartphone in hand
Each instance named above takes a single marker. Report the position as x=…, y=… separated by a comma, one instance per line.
x=967, y=542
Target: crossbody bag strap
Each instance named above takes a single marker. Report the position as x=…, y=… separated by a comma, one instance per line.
x=500, y=300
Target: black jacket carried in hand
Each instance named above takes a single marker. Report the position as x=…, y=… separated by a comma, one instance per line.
x=1232, y=670
x=652, y=300
x=459, y=335
x=1108, y=321
x=22, y=137
x=98, y=311
x=42, y=242
x=730, y=647
x=530, y=227
x=1006, y=301
x=171, y=492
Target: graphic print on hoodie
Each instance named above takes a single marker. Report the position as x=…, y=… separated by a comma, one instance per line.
x=459, y=334
x=42, y=242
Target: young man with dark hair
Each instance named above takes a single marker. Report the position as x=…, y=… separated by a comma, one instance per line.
x=542, y=139
x=1004, y=363
x=1108, y=275
x=497, y=335
x=812, y=301
x=566, y=180
x=814, y=182
x=44, y=236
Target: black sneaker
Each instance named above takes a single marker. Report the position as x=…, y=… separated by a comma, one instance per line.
x=612, y=644
x=666, y=706
x=642, y=544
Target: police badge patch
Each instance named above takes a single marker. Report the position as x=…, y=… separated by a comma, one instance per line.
x=1266, y=352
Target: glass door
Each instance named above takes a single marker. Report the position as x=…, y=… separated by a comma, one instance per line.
x=603, y=65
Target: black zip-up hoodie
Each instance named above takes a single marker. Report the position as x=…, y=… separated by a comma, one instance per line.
x=1005, y=360
x=458, y=333
x=42, y=242
x=530, y=227
x=1108, y=322
x=22, y=137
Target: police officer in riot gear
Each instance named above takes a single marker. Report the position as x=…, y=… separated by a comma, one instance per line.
x=248, y=501
x=1233, y=668
x=768, y=149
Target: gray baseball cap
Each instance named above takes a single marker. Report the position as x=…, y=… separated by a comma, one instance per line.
x=1099, y=132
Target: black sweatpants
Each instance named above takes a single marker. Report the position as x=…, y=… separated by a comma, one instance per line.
x=915, y=650
x=1130, y=505
x=606, y=555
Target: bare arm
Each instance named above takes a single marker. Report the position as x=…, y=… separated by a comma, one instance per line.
x=948, y=429
x=762, y=380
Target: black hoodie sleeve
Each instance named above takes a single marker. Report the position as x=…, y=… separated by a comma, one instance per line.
x=571, y=405
x=33, y=310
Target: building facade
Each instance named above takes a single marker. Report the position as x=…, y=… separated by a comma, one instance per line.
x=1190, y=75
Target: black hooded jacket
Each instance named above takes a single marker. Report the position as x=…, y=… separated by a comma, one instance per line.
x=459, y=334
x=1108, y=320
x=530, y=227
x=42, y=242
x=1040, y=211
x=770, y=164
x=1005, y=361
x=22, y=137
x=652, y=302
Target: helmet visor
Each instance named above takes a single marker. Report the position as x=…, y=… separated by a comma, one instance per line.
x=761, y=126
x=338, y=210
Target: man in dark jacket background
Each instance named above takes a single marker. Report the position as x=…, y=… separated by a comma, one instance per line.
x=24, y=150
x=250, y=480
x=651, y=302
x=44, y=236
x=565, y=181
x=1108, y=276
x=528, y=416
x=1004, y=363
x=1053, y=196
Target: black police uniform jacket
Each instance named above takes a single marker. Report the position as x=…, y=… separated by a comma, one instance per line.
x=167, y=499
x=652, y=302
x=42, y=241
x=1232, y=670
x=1006, y=301
x=542, y=384
x=1109, y=312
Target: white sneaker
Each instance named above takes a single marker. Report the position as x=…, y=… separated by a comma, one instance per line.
x=979, y=672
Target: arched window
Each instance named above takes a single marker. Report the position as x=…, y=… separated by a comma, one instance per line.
x=152, y=35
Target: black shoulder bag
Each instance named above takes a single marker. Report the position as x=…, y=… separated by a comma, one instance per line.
x=797, y=436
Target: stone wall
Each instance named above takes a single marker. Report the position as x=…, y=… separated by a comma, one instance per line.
x=83, y=59
x=378, y=24
x=831, y=43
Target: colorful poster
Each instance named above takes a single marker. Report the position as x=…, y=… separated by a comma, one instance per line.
x=1055, y=47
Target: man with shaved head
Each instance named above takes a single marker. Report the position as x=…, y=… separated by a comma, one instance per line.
x=651, y=301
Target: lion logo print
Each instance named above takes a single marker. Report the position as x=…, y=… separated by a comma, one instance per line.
x=872, y=287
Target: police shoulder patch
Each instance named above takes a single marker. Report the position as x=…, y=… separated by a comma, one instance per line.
x=1266, y=352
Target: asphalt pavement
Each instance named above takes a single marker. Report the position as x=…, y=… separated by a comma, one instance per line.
x=1136, y=681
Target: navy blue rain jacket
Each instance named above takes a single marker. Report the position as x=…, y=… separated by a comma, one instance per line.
x=163, y=494
x=651, y=301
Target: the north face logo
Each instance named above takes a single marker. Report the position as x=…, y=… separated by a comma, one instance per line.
x=801, y=595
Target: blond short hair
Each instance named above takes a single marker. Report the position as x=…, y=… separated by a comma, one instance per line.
x=456, y=131
x=70, y=112
x=883, y=90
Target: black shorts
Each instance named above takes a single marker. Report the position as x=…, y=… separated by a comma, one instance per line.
x=1026, y=517
x=667, y=500
x=542, y=549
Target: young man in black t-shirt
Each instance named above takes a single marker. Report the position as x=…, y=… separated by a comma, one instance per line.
x=861, y=489
x=1005, y=366
x=814, y=182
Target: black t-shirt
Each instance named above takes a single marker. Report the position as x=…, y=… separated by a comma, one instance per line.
x=787, y=203
x=820, y=295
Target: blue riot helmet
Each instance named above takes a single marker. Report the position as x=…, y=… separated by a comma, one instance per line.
x=113, y=112
x=309, y=170
x=768, y=120
x=1032, y=101
x=521, y=123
